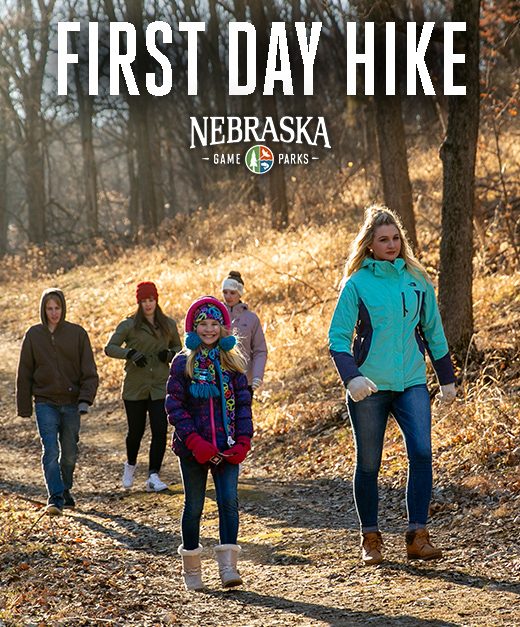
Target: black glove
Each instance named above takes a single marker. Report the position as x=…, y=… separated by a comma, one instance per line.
x=165, y=355
x=137, y=357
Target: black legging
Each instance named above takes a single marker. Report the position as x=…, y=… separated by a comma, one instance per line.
x=136, y=416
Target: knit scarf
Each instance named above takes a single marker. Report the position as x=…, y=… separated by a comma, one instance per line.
x=210, y=381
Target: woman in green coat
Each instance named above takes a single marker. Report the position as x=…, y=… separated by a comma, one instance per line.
x=148, y=342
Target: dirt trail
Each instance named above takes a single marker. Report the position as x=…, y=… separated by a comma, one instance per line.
x=113, y=559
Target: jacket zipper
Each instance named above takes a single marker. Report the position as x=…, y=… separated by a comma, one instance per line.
x=405, y=311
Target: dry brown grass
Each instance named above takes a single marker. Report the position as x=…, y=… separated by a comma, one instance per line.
x=291, y=281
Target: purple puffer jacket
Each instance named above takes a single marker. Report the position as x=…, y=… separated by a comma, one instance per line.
x=191, y=415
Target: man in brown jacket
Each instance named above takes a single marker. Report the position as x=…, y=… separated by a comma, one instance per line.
x=57, y=369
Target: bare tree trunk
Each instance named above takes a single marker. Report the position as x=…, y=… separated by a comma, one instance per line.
x=277, y=188
x=219, y=85
x=133, y=200
x=35, y=177
x=247, y=102
x=458, y=154
x=3, y=187
x=140, y=107
x=90, y=169
x=89, y=163
x=147, y=196
x=298, y=103
x=397, y=189
x=24, y=47
x=172, y=205
x=86, y=115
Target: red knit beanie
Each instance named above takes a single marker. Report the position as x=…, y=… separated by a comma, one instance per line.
x=146, y=289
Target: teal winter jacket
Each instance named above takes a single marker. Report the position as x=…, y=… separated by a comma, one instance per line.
x=385, y=319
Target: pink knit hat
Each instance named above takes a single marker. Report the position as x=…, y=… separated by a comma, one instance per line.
x=206, y=307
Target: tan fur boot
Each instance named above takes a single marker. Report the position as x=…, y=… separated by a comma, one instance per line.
x=227, y=555
x=191, y=568
x=419, y=546
x=371, y=545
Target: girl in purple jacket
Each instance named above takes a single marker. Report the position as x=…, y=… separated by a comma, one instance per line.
x=209, y=405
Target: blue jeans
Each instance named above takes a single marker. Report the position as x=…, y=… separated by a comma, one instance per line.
x=369, y=417
x=194, y=478
x=58, y=426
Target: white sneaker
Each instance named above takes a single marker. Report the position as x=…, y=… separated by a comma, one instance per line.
x=154, y=483
x=128, y=475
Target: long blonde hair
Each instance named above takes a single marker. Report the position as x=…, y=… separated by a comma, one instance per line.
x=229, y=360
x=375, y=216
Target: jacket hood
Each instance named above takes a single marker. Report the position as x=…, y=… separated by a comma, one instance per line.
x=55, y=291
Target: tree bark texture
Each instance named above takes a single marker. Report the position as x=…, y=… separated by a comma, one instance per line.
x=140, y=112
x=35, y=176
x=277, y=187
x=133, y=184
x=3, y=189
x=458, y=154
x=89, y=168
x=86, y=116
x=391, y=141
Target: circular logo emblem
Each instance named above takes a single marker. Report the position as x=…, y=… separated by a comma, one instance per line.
x=259, y=159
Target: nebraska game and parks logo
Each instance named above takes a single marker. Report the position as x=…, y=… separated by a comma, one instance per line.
x=303, y=137
x=259, y=159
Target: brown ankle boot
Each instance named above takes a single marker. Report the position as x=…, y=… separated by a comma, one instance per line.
x=419, y=546
x=371, y=544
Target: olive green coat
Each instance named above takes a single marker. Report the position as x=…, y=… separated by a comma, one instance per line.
x=150, y=381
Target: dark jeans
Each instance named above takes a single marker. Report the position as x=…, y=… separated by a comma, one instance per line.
x=369, y=417
x=136, y=416
x=58, y=426
x=194, y=479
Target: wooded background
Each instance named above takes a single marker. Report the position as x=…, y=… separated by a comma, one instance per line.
x=82, y=171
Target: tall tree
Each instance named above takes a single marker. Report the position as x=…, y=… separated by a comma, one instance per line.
x=86, y=122
x=391, y=138
x=140, y=112
x=277, y=187
x=3, y=184
x=458, y=154
x=24, y=48
x=213, y=49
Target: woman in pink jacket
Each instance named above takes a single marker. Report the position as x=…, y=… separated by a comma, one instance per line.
x=246, y=325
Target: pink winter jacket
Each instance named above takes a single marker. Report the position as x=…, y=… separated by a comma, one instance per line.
x=247, y=326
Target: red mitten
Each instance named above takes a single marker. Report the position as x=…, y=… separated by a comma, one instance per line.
x=202, y=450
x=237, y=453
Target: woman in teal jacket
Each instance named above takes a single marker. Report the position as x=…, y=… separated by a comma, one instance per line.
x=385, y=319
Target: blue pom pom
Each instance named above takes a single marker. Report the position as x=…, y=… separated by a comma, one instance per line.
x=227, y=343
x=192, y=340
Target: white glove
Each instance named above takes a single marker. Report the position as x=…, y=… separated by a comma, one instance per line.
x=447, y=394
x=256, y=383
x=360, y=387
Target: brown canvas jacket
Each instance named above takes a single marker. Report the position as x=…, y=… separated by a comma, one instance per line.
x=55, y=367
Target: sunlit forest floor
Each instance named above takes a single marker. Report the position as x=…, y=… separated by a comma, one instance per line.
x=113, y=560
